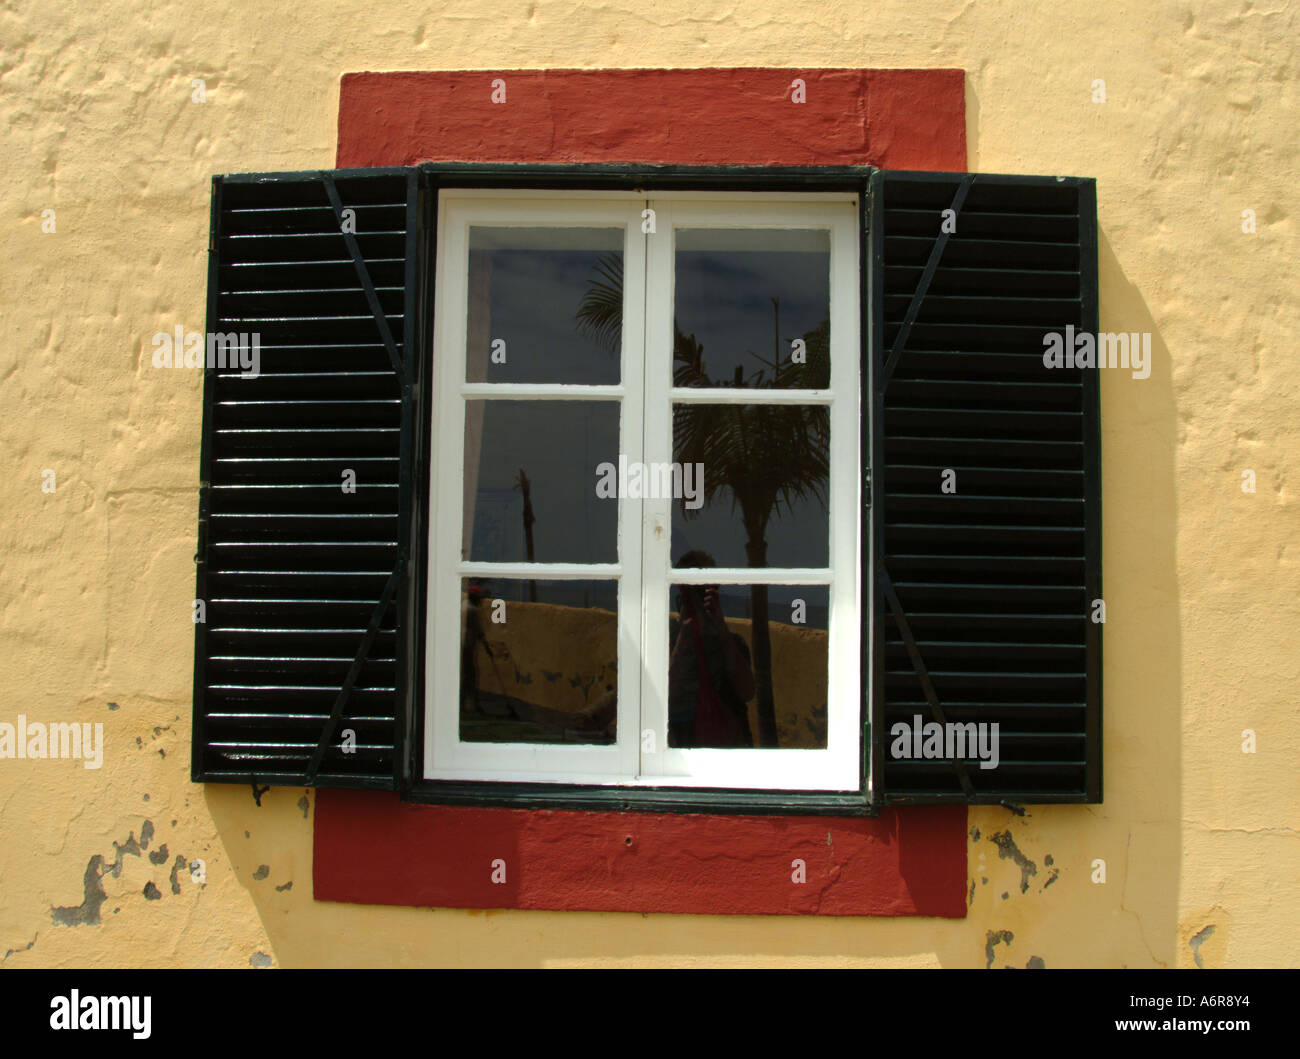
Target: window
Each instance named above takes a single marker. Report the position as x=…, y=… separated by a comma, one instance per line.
x=360, y=490
x=625, y=382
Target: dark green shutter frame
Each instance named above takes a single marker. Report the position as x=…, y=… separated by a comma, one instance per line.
x=310, y=591
x=982, y=598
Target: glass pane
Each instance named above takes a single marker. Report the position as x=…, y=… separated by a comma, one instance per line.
x=752, y=308
x=545, y=305
x=538, y=661
x=767, y=673
x=530, y=481
x=764, y=469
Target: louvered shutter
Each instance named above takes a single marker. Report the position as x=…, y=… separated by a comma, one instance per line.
x=303, y=666
x=983, y=596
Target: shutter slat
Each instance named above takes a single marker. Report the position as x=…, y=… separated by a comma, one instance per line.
x=971, y=280
x=983, y=592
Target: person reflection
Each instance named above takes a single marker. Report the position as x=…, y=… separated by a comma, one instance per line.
x=471, y=635
x=709, y=675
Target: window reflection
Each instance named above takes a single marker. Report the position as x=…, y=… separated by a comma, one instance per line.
x=538, y=661
x=530, y=474
x=545, y=305
x=765, y=470
x=752, y=308
x=748, y=664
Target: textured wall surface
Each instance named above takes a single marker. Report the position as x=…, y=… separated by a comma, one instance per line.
x=1199, y=839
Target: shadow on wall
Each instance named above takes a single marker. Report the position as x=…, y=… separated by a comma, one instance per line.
x=1142, y=639
x=1035, y=878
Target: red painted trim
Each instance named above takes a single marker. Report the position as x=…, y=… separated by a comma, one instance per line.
x=895, y=119
x=374, y=849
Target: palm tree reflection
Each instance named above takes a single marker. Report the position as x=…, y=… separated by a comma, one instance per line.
x=765, y=456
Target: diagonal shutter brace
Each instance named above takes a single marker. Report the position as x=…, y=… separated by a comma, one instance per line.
x=390, y=588
x=363, y=653
x=923, y=286
x=363, y=274
x=923, y=674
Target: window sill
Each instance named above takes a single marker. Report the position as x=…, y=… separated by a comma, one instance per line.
x=372, y=848
x=658, y=799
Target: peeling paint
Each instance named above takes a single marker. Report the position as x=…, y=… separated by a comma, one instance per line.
x=304, y=805
x=129, y=847
x=259, y=959
x=93, y=895
x=1035, y=964
x=974, y=834
x=159, y=855
x=1197, y=940
x=970, y=898
x=88, y=911
x=24, y=948
x=262, y=872
x=151, y=892
x=1008, y=850
x=991, y=940
x=286, y=886
x=178, y=866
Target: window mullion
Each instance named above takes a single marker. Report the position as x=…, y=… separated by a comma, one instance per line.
x=656, y=526
x=631, y=511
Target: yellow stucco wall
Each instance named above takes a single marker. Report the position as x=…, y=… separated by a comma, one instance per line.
x=96, y=579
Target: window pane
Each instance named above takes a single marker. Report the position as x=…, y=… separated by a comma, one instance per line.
x=744, y=298
x=772, y=660
x=554, y=447
x=764, y=471
x=538, y=661
x=545, y=305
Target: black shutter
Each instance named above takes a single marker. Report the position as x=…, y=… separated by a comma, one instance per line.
x=982, y=598
x=309, y=589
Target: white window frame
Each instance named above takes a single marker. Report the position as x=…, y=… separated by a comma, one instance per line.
x=641, y=756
